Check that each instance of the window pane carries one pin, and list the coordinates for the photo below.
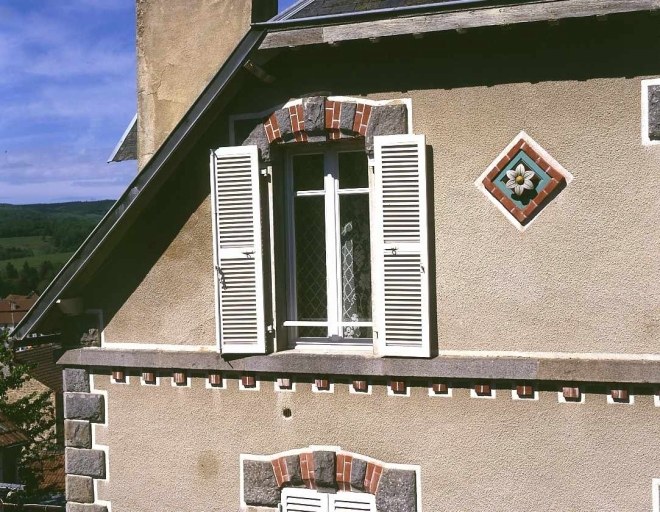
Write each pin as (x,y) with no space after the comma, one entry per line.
(353,170)
(312,332)
(355,262)
(311,289)
(308,172)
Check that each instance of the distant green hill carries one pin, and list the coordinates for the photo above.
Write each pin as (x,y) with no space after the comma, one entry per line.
(37,239)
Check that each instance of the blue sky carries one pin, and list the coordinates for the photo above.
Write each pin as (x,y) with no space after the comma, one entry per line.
(67,92)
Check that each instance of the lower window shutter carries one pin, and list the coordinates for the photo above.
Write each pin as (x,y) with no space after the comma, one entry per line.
(352,502)
(304,500)
(401,247)
(237,250)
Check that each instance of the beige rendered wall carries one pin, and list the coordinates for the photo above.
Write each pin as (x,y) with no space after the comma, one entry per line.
(181,44)
(581,278)
(182,445)
(174,302)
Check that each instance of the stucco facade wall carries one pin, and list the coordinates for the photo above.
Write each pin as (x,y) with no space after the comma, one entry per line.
(581,278)
(180,46)
(475,454)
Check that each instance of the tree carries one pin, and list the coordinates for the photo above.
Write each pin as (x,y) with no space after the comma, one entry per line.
(34,415)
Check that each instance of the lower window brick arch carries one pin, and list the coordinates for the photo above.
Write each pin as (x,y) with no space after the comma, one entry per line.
(328,479)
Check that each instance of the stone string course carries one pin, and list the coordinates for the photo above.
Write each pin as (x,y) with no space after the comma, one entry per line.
(318,119)
(82,464)
(328,471)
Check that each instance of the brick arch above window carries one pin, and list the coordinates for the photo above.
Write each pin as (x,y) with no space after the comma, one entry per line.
(327,119)
(329,469)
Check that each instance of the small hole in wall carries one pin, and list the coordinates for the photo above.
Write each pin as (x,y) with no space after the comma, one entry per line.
(286,412)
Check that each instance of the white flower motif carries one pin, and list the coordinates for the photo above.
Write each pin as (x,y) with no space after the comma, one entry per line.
(520,179)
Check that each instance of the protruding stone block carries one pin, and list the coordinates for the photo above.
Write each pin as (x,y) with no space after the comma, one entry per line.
(397,491)
(76,380)
(259,484)
(358,473)
(84,406)
(293,468)
(84,462)
(347,117)
(325,468)
(79,489)
(284,122)
(314,115)
(77,434)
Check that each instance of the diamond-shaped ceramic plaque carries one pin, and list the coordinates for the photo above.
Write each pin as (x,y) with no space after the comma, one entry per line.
(523,180)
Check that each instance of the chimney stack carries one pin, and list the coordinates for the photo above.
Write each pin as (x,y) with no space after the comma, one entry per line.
(181,45)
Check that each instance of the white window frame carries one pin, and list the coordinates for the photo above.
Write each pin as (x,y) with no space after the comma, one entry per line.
(334,323)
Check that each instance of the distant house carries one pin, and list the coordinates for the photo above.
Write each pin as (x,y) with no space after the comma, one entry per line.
(13,308)
(11,442)
(381,255)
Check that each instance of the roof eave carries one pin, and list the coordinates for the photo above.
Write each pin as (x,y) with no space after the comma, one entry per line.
(332,30)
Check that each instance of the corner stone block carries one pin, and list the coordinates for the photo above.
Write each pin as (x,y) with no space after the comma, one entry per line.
(259,138)
(654,112)
(76,380)
(388,120)
(259,484)
(80,507)
(84,406)
(79,489)
(397,491)
(85,462)
(325,468)
(77,434)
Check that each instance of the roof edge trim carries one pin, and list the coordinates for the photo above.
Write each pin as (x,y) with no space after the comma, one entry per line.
(134,193)
(121,142)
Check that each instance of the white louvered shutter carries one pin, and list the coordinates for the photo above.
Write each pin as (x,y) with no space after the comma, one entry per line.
(352,502)
(401,246)
(238,256)
(304,500)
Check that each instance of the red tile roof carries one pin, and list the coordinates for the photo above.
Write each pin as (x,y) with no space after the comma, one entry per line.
(14,307)
(10,435)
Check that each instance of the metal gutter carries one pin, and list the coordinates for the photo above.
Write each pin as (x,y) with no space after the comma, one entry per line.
(280,23)
(131,199)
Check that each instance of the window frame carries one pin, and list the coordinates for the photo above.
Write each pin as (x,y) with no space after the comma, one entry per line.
(286,225)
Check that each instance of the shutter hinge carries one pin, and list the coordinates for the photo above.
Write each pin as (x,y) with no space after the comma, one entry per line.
(270,329)
(267,171)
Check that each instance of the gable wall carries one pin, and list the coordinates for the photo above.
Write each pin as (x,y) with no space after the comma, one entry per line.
(580,279)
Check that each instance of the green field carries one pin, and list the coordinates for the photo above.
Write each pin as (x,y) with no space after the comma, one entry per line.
(37,240)
(58,259)
(39,244)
